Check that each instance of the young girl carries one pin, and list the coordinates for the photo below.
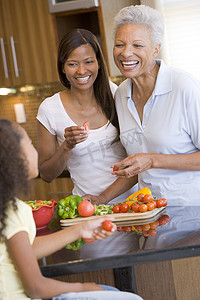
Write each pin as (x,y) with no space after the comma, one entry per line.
(19,248)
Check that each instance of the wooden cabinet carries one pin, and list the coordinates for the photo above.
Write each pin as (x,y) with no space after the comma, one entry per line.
(28,50)
(57,189)
(99,20)
(108,11)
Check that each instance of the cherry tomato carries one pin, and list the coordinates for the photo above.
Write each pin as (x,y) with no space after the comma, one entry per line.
(120,228)
(86,208)
(86,126)
(154,202)
(128,228)
(140,197)
(135,207)
(147,198)
(163,220)
(145,227)
(152,232)
(88,240)
(143,208)
(124,207)
(115,169)
(107,225)
(159,203)
(154,224)
(150,206)
(116,208)
(164,202)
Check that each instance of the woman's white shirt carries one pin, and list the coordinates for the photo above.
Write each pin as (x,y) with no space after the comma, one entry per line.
(170,126)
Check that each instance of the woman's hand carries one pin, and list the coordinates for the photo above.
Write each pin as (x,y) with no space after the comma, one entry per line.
(133,165)
(93,229)
(74,135)
(94,199)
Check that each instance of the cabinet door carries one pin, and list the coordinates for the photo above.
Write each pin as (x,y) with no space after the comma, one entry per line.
(5,62)
(32,41)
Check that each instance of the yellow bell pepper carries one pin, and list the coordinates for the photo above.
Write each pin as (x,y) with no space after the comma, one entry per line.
(132,198)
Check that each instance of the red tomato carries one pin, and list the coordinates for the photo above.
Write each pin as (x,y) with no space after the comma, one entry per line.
(147,198)
(86,208)
(124,207)
(143,208)
(140,197)
(116,208)
(145,227)
(152,232)
(154,202)
(163,220)
(164,201)
(107,225)
(154,224)
(120,228)
(135,207)
(86,126)
(128,228)
(115,169)
(159,203)
(150,206)
(88,240)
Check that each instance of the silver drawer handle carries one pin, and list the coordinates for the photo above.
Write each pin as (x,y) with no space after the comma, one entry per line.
(14,56)
(4,58)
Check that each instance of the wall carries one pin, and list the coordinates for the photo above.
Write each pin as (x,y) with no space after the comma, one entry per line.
(31,100)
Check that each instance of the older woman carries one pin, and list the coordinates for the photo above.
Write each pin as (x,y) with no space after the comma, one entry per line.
(158,109)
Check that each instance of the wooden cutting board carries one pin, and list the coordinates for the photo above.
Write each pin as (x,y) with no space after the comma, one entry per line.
(121,218)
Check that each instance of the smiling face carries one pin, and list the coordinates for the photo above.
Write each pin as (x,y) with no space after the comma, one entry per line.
(134,52)
(81,67)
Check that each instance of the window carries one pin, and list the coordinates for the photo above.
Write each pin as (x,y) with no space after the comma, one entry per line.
(181,47)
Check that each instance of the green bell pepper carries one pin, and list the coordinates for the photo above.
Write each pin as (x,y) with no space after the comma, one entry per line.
(68,207)
(76,245)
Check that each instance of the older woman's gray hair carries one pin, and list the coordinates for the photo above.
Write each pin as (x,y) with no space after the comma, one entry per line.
(143,15)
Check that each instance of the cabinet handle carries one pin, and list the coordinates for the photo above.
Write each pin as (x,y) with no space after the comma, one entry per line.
(4,58)
(12,42)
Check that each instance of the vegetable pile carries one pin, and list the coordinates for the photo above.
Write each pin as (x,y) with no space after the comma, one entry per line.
(35,204)
(141,201)
(74,206)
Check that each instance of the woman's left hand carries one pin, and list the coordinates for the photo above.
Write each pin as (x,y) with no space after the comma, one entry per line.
(97,200)
(133,165)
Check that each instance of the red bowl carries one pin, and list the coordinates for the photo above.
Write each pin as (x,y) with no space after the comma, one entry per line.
(43,214)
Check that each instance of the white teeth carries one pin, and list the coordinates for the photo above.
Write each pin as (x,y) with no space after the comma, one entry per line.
(129,64)
(83,79)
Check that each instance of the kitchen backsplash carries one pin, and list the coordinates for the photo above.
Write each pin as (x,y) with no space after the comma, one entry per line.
(31,97)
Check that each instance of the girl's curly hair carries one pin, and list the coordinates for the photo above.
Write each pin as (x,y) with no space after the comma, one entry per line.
(13,171)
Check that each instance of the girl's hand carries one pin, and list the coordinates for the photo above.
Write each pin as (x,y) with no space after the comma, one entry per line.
(93,229)
(74,135)
(133,165)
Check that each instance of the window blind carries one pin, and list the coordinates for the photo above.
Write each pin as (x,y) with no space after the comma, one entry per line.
(181,47)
